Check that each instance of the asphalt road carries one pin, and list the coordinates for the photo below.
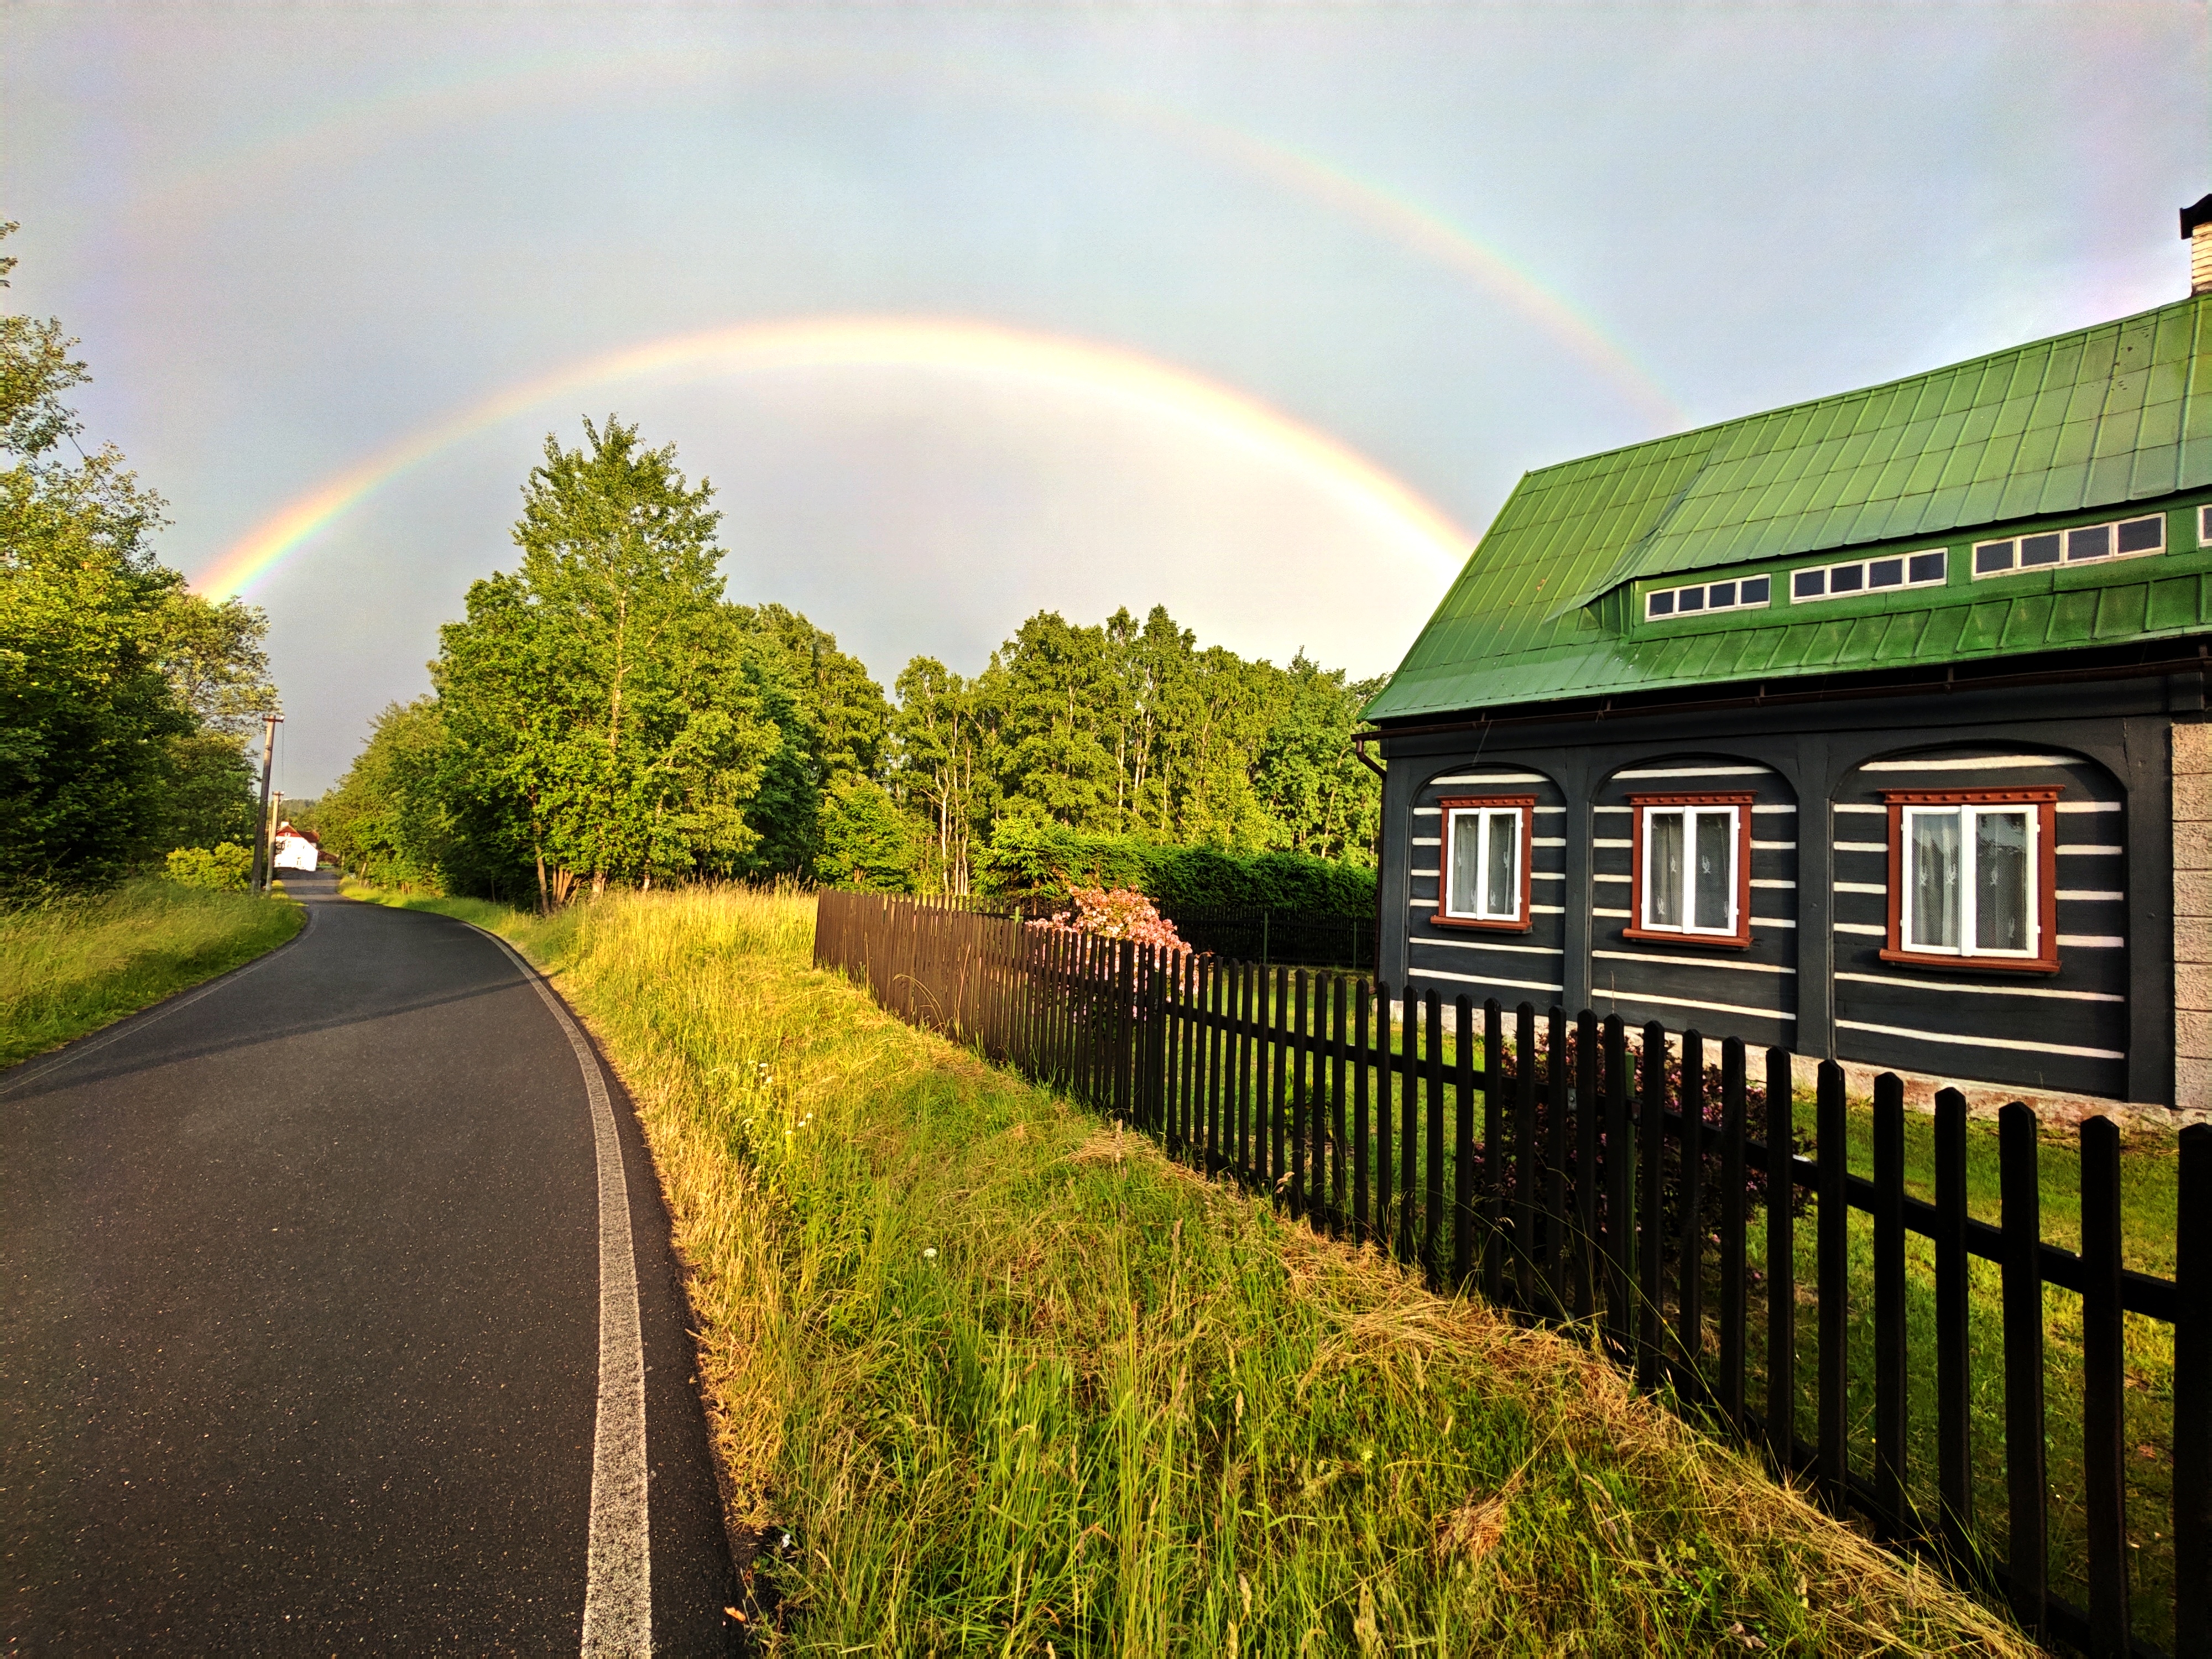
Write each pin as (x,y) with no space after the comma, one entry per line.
(307,1344)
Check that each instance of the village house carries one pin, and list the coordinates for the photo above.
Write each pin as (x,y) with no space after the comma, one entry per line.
(1873,727)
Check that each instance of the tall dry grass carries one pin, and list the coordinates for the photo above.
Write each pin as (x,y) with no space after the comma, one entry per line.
(1015,1383)
(69,966)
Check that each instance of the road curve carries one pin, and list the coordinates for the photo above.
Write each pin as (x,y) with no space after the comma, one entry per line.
(303,1313)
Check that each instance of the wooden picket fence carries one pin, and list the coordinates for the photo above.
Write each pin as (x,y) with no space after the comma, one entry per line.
(1541,1162)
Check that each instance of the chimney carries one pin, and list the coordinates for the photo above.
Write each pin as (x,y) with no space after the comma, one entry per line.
(2196,231)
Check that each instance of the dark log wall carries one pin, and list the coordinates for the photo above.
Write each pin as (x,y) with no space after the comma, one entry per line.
(1734,991)
(2065,1031)
(1812,978)
(1515,968)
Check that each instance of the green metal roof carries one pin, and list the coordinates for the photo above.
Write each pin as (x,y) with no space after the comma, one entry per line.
(2066,430)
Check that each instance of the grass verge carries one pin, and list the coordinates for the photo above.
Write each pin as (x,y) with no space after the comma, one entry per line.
(1014,1383)
(71,965)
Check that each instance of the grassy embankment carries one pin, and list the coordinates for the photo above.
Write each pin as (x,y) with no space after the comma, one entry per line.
(72,966)
(1015,1382)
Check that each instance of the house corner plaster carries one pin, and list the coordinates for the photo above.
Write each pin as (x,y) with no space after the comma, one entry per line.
(2192,917)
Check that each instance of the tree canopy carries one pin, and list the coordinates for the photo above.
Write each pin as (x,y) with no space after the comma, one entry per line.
(125,698)
(602,713)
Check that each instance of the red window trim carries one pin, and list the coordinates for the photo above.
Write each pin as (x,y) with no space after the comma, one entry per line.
(1741,799)
(1527,806)
(2044,799)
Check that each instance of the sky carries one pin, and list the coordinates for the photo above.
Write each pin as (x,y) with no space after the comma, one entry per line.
(1256,311)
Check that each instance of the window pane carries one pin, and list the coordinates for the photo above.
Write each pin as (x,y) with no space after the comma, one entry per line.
(1755,589)
(1885,573)
(2094,543)
(2039,549)
(1693,599)
(1992,557)
(1931,848)
(1662,604)
(1723,595)
(1809,584)
(2143,535)
(1715,831)
(1926,568)
(2001,895)
(1466,863)
(1503,866)
(1663,869)
(1847,579)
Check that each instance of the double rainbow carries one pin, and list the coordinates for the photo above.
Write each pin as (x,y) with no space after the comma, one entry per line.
(951,345)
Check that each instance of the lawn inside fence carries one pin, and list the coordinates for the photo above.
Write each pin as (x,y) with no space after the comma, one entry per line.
(1244,1073)
(1014,1381)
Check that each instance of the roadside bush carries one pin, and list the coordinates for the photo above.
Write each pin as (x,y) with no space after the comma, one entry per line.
(220,869)
(1028,858)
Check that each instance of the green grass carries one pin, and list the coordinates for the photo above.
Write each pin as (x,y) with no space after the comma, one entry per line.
(71,965)
(1017,1384)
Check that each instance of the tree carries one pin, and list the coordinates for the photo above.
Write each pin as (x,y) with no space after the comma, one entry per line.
(387,819)
(119,691)
(601,707)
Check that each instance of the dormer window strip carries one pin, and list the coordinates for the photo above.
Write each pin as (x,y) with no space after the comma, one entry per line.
(2121,539)
(1742,593)
(1931,569)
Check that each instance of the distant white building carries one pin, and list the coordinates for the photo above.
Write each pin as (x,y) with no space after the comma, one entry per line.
(296,849)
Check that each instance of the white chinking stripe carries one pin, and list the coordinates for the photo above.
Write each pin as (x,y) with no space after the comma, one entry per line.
(1690,1002)
(2083,896)
(1695,961)
(1485,979)
(1489,777)
(1698,772)
(2089,806)
(618,1558)
(2088,850)
(1898,983)
(1981,1042)
(1970,763)
(1491,944)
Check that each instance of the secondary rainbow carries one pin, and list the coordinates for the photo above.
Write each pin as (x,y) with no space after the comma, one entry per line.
(1400,517)
(1401,220)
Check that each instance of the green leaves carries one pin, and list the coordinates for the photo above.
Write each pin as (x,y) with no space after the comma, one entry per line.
(1131,730)
(122,695)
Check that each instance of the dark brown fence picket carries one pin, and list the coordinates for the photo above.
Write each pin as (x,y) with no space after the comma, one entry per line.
(1555,1166)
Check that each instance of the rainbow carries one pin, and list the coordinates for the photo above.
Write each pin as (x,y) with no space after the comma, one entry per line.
(947,345)
(1398,219)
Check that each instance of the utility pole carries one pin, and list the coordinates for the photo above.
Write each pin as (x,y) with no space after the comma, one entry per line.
(262,851)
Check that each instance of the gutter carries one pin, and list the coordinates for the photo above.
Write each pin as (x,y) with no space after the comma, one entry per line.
(1608,708)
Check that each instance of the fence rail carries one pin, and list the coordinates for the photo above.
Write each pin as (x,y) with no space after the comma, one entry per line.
(1573,1169)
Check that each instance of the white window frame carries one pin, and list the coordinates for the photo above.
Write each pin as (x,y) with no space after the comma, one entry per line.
(1487,820)
(1827,572)
(1673,595)
(1967,813)
(1691,812)
(2065,559)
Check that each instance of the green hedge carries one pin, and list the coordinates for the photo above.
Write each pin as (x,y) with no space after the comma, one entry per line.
(1028,857)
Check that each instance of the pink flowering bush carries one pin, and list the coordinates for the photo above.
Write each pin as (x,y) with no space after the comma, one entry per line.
(1114,913)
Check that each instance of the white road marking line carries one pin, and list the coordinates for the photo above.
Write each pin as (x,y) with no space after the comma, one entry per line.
(618,1564)
(145,1017)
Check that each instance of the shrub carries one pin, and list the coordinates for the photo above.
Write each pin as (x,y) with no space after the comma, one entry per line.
(223,868)
(1115,913)
(1028,858)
